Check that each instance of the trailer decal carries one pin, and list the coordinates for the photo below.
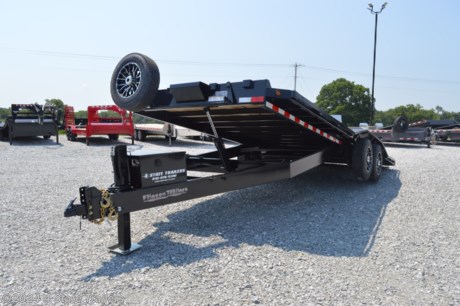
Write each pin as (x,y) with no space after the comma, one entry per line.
(164,176)
(153,197)
(301,122)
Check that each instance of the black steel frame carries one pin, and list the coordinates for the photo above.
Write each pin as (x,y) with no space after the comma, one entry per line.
(245,173)
(273,147)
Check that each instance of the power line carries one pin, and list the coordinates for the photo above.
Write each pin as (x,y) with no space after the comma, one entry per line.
(203,63)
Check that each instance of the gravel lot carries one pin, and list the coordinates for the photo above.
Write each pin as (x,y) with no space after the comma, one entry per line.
(320,238)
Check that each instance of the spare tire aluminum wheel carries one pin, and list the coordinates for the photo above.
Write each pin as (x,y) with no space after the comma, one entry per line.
(135,82)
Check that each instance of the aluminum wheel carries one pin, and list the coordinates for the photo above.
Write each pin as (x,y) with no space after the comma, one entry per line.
(134,83)
(377,166)
(128,80)
(379,161)
(369,159)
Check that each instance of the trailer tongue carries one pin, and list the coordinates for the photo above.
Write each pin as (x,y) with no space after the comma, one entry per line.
(280,134)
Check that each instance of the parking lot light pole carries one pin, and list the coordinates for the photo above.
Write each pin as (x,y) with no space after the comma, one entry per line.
(376,13)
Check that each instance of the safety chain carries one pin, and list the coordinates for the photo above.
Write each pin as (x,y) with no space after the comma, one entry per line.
(106,204)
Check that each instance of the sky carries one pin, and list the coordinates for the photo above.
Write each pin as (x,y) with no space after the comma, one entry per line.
(68,49)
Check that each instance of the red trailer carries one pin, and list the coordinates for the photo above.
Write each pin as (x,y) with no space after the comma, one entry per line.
(98,124)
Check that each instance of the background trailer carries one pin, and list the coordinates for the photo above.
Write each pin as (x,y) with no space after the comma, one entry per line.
(29,120)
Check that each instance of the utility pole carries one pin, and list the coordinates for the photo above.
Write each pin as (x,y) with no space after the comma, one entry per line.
(296,65)
(376,13)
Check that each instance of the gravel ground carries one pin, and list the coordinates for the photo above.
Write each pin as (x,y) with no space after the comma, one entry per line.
(320,238)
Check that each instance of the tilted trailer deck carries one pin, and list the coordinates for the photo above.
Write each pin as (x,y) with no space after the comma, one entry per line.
(280,134)
(444,130)
(28,120)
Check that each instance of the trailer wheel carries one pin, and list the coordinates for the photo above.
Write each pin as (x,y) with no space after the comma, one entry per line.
(172,138)
(46,136)
(377,162)
(113,136)
(431,137)
(142,135)
(400,124)
(135,82)
(362,159)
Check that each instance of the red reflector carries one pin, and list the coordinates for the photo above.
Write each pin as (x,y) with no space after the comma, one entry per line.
(257,99)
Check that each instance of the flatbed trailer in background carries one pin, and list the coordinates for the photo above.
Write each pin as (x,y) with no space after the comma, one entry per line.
(449,133)
(166,130)
(403,132)
(29,120)
(122,124)
(280,134)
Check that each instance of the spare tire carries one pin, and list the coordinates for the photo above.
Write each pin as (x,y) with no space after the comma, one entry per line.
(400,124)
(135,82)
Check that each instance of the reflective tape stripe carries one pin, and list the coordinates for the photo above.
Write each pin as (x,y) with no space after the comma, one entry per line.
(301,122)
(259,99)
(409,139)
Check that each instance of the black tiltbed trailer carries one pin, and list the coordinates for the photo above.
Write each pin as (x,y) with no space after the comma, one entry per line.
(280,134)
(28,120)
(401,131)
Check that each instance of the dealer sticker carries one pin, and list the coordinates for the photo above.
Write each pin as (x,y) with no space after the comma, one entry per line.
(164,176)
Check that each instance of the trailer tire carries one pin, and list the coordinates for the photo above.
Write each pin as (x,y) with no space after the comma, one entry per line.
(377,162)
(142,135)
(431,137)
(46,136)
(362,159)
(113,136)
(400,124)
(172,138)
(135,82)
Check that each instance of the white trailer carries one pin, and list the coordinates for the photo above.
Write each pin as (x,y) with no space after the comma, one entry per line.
(167,130)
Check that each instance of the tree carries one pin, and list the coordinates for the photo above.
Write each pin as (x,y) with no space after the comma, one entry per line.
(81,114)
(58,104)
(343,97)
(4,113)
(412,112)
